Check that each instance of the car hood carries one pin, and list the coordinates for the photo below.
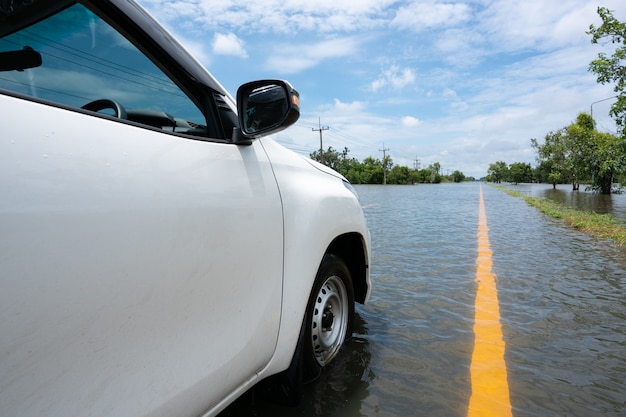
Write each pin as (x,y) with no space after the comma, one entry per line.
(282,155)
(324,168)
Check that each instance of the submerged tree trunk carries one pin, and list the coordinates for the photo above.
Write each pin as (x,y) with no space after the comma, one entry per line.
(605,184)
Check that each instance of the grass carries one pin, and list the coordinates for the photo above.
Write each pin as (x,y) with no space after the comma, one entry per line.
(599,225)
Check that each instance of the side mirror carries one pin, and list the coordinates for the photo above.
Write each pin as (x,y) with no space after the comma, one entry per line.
(266,107)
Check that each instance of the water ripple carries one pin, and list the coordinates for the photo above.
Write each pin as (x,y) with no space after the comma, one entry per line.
(562,306)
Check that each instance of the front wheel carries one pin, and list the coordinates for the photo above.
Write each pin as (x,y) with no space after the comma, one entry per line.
(330,311)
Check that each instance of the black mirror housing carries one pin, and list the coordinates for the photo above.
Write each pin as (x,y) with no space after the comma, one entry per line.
(265,107)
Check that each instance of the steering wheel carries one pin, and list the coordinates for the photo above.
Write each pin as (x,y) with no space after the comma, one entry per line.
(105,103)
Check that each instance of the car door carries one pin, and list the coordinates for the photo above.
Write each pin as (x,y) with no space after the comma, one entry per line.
(140,269)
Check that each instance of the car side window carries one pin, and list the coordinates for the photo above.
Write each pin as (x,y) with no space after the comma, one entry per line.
(76,59)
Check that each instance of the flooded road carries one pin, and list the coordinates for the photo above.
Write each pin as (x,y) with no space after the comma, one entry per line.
(562,311)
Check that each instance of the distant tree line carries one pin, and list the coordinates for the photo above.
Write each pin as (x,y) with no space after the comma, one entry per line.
(375,171)
(518,172)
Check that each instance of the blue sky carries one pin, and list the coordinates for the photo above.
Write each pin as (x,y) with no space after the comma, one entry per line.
(464,84)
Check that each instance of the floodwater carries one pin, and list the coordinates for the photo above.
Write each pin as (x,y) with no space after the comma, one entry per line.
(614,204)
(562,307)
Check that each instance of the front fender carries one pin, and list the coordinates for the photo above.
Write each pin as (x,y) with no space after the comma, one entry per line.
(317,210)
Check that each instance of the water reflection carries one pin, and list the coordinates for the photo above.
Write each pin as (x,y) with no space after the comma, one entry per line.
(563,312)
(340,390)
(344,385)
(562,305)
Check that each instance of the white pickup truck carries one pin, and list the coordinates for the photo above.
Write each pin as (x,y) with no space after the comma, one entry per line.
(160,254)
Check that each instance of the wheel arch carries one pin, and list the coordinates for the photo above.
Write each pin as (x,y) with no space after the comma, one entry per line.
(351,248)
(286,387)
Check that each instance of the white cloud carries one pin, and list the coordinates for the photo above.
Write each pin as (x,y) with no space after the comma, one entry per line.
(410,121)
(448,92)
(351,108)
(419,16)
(539,24)
(276,16)
(394,77)
(484,76)
(229,44)
(289,59)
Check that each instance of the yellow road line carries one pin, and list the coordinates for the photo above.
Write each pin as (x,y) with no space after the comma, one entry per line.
(490,388)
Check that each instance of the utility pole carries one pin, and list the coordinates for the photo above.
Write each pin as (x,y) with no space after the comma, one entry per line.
(320,129)
(417,164)
(384,151)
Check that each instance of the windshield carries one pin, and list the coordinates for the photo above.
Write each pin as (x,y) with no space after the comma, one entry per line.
(83,59)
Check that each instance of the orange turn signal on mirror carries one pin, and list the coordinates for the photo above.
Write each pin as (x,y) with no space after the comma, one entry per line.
(295,100)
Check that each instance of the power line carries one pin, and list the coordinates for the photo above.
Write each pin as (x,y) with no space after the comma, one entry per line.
(334,133)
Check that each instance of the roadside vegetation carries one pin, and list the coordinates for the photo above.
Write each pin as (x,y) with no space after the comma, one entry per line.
(598,225)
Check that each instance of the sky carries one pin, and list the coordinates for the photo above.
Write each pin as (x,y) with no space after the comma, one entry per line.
(462,83)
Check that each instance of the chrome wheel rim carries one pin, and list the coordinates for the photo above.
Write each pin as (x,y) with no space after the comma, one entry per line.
(330,319)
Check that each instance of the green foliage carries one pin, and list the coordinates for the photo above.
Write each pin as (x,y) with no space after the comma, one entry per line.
(551,156)
(611,69)
(608,160)
(424,176)
(400,175)
(457,176)
(578,153)
(498,172)
(332,158)
(372,170)
(516,172)
(565,153)
(520,172)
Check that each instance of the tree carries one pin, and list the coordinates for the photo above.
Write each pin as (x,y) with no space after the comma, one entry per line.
(580,153)
(551,156)
(578,139)
(520,172)
(458,176)
(541,172)
(372,172)
(498,172)
(423,176)
(331,157)
(399,174)
(608,160)
(434,177)
(565,153)
(611,69)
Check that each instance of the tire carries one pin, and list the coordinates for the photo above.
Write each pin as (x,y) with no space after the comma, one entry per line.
(329,315)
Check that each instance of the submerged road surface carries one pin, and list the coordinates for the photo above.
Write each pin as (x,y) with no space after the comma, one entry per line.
(502,311)
(490,388)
